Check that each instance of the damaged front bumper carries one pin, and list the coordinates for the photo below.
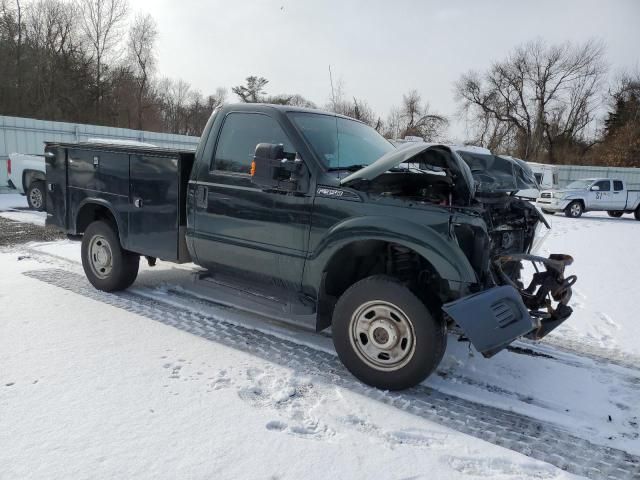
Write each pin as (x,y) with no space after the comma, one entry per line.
(494,318)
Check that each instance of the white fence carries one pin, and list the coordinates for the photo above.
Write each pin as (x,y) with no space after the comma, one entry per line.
(27,135)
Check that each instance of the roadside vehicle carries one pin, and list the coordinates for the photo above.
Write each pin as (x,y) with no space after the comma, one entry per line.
(546,175)
(589,195)
(26,174)
(314,218)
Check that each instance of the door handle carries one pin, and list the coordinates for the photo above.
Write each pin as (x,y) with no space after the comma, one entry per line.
(137,202)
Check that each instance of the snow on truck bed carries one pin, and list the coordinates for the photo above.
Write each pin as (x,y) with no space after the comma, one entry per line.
(150,384)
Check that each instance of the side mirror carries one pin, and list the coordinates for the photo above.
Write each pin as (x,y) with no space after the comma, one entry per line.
(274,169)
(595,188)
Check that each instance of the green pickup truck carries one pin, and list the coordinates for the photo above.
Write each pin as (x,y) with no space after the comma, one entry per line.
(315,218)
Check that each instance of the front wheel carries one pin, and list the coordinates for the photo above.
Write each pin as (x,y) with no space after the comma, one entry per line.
(636,214)
(615,213)
(548,212)
(106,264)
(385,335)
(36,196)
(574,209)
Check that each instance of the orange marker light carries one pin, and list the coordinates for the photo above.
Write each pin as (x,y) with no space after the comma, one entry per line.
(253,168)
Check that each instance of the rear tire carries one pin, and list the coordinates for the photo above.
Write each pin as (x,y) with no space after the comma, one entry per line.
(574,209)
(385,335)
(615,213)
(106,264)
(36,197)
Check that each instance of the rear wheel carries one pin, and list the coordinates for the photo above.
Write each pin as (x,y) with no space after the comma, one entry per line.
(385,335)
(574,209)
(36,196)
(615,213)
(106,264)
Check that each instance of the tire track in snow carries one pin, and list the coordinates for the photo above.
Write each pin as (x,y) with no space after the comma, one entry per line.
(534,438)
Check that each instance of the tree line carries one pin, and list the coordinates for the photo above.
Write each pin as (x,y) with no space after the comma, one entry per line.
(88,61)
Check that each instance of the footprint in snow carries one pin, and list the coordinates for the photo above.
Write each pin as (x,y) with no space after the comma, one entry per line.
(417,438)
(608,320)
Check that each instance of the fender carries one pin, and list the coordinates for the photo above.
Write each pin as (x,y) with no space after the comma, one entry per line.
(441,251)
(103,203)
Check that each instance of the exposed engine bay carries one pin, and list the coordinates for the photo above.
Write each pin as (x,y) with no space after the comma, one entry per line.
(499,248)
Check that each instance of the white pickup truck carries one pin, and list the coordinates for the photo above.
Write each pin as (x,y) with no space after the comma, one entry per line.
(26,174)
(591,194)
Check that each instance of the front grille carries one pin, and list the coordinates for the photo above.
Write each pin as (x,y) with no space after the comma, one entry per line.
(545,195)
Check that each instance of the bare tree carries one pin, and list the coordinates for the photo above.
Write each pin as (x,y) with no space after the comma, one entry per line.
(141,47)
(102,22)
(537,96)
(253,91)
(413,118)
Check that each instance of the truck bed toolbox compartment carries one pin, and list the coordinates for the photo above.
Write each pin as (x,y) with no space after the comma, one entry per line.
(144,188)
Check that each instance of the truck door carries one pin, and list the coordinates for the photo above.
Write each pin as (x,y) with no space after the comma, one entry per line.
(240,228)
(619,195)
(602,198)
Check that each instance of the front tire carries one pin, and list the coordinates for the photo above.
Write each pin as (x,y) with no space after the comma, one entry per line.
(36,196)
(574,209)
(106,264)
(615,213)
(636,214)
(548,212)
(385,335)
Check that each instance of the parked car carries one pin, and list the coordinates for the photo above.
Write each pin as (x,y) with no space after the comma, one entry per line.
(315,218)
(592,194)
(26,174)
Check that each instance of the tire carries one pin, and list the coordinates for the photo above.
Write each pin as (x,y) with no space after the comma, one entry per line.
(574,209)
(615,213)
(548,212)
(636,214)
(420,339)
(36,196)
(106,264)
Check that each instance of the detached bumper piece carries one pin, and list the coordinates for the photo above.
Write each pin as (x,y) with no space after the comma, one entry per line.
(494,318)
(547,286)
(491,319)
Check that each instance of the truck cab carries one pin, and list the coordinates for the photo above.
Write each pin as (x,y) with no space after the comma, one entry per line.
(592,194)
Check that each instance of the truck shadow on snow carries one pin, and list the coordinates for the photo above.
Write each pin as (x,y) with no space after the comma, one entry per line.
(535,438)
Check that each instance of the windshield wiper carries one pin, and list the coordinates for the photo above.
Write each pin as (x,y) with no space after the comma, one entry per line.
(348,168)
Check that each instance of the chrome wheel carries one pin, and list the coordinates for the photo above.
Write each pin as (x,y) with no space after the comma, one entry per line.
(35,198)
(100,257)
(382,335)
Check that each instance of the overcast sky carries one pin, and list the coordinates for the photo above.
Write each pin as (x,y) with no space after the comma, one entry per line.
(380,49)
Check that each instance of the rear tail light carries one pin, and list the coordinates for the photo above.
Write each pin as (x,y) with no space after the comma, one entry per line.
(9,166)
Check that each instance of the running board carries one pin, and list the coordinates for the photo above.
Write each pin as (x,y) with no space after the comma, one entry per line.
(271,302)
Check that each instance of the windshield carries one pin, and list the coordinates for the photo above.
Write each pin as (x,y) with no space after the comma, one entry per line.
(579,184)
(493,173)
(339,142)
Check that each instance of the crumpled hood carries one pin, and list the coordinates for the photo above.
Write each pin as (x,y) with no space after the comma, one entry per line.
(499,173)
(404,154)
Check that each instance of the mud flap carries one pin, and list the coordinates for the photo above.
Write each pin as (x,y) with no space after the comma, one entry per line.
(492,319)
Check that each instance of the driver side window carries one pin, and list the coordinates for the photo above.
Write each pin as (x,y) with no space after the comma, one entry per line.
(240,134)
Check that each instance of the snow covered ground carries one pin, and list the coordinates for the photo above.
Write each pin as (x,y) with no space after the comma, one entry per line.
(15,207)
(155,384)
